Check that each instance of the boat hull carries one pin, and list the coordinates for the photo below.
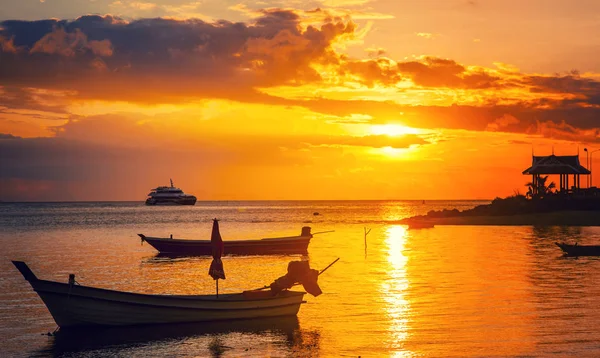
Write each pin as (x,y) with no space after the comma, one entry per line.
(579,250)
(279,246)
(188,200)
(72,305)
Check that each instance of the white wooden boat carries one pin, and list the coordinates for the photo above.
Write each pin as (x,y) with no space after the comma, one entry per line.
(73,305)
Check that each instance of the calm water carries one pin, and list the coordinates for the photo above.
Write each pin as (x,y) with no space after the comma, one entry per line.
(441,292)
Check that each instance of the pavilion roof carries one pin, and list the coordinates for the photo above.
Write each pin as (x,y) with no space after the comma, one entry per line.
(556,164)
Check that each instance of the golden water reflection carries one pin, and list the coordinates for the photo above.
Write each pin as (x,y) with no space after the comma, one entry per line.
(393,289)
(463,294)
(449,291)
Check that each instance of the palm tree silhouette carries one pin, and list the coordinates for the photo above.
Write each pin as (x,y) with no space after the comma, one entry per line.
(540,190)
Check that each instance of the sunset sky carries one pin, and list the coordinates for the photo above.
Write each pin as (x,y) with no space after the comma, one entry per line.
(312,99)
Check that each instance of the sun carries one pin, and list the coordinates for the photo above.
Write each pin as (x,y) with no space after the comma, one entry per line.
(393,130)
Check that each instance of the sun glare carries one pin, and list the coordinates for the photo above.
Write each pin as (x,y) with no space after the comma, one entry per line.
(392,151)
(393,129)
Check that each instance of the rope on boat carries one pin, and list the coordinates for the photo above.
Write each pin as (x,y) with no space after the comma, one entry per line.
(323,232)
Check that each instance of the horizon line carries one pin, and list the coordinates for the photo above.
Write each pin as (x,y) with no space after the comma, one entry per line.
(222,200)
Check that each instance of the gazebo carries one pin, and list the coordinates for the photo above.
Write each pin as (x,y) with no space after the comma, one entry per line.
(563,165)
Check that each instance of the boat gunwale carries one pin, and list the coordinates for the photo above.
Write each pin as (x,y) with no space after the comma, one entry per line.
(197,298)
(175,306)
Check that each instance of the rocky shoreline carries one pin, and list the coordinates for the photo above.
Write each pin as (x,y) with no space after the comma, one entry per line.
(558,218)
(518,210)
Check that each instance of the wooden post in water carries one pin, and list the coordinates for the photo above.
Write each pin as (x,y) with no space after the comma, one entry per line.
(366,233)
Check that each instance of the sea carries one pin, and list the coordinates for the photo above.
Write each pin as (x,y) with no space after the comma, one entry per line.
(447,291)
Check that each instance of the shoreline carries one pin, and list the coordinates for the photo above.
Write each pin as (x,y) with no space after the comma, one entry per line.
(556,218)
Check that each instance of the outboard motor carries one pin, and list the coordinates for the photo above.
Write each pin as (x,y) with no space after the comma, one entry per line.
(298,272)
(306,231)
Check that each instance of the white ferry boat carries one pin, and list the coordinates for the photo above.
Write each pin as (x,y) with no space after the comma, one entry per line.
(169,195)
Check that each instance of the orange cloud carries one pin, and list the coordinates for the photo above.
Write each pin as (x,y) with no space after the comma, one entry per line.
(186,58)
(381,70)
(62,43)
(437,72)
(502,122)
(155,61)
(7,46)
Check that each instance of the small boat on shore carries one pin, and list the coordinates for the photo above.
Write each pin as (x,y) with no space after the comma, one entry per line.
(579,250)
(73,305)
(289,245)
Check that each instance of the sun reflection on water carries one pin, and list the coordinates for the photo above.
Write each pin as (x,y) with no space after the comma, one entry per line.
(394,287)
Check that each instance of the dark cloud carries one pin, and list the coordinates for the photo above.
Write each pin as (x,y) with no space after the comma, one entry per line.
(523,117)
(48,63)
(373,71)
(519,118)
(8,136)
(22,98)
(437,72)
(581,92)
(571,83)
(159,60)
(564,131)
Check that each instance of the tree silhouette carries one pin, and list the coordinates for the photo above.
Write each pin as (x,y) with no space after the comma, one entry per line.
(541,189)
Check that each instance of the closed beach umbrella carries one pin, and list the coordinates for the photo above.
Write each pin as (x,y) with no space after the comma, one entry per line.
(216,270)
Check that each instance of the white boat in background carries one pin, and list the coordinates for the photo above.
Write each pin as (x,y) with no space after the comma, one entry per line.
(73,305)
(169,195)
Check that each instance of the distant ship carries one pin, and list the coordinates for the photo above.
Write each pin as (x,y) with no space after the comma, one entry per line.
(169,195)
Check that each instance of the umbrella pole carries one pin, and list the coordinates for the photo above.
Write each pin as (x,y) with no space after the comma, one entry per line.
(217,281)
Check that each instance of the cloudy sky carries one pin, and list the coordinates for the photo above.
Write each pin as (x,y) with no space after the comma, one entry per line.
(274,99)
